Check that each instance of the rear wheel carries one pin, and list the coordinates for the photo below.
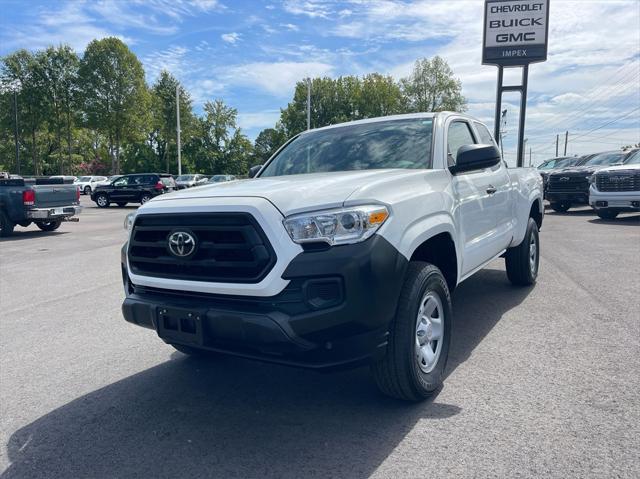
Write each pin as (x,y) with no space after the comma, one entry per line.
(87,190)
(522,261)
(607,214)
(122,204)
(102,200)
(49,225)
(560,207)
(419,336)
(144,198)
(6,225)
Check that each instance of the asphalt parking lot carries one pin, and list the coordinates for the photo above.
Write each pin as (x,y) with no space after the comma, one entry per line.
(542,382)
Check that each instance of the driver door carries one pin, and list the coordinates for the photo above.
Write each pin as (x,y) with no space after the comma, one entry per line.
(472,190)
(120,189)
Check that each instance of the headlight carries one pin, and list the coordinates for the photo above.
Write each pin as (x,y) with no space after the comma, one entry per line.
(339,226)
(128,222)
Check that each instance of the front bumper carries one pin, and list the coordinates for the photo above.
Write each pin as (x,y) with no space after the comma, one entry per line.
(60,212)
(624,200)
(580,197)
(334,312)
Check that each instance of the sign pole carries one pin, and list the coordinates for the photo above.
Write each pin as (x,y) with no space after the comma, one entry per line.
(515,35)
(498,122)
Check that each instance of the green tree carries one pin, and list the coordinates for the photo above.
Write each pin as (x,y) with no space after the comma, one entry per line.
(218,146)
(163,137)
(21,66)
(114,93)
(267,142)
(431,86)
(58,69)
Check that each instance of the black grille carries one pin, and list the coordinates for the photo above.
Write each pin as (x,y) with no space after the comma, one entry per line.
(231,248)
(620,181)
(561,182)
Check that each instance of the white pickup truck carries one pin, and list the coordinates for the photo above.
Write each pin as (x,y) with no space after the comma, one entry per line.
(342,250)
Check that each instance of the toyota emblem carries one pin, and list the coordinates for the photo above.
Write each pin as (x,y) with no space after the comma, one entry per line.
(181,244)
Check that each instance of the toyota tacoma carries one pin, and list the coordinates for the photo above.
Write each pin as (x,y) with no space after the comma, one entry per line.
(342,250)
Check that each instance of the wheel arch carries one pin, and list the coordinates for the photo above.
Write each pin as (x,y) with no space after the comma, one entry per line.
(440,250)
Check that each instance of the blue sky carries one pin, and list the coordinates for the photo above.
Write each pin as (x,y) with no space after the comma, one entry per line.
(251,53)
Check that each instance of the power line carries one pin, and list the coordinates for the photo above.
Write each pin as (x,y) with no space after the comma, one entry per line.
(609,123)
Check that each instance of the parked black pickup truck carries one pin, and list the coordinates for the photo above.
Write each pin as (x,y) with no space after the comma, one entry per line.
(45,202)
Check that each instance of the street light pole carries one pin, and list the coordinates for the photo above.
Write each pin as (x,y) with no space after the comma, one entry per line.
(308,103)
(178,129)
(15,131)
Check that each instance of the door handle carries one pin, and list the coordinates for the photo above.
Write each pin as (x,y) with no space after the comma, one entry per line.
(491,189)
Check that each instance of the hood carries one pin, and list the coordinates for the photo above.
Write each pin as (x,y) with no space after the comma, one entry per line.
(297,193)
(625,168)
(580,170)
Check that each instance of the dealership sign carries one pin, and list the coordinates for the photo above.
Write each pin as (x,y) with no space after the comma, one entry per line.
(515,32)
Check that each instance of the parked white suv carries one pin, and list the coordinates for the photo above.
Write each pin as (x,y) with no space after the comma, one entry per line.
(342,250)
(86,184)
(616,189)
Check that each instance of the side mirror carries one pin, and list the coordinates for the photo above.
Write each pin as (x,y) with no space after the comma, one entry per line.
(253,171)
(475,157)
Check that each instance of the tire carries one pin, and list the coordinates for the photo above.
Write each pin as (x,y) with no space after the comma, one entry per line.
(607,214)
(405,372)
(122,204)
(560,207)
(144,198)
(6,225)
(523,261)
(193,352)
(102,200)
(87,190)
(49,225)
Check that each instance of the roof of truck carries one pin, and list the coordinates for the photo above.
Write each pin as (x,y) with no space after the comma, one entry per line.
(406,116)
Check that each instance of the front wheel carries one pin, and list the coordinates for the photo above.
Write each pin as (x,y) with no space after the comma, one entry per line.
(522,261)
(49,225)
(419,336)
(607,214)
(560,207)
(102,201)
(6,225)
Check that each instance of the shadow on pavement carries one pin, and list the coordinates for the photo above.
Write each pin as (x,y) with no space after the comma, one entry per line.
(230,417)
(622,220)
(20,235)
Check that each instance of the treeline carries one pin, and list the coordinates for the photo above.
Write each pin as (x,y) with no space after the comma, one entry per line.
(96,114)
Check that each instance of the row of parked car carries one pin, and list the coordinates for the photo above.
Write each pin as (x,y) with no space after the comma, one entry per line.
(609,182)
(139,187)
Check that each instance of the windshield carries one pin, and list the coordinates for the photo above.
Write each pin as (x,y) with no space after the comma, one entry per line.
(185,178)
(633,159)
(606,159)
(367,146)
(217,178)
(564,162)
(84,178)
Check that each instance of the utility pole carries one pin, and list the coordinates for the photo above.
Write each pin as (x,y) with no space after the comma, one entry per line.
(15,131)
(566,140)
(178,128)
(503,124)
(530,156)
(308,103)
(557,141)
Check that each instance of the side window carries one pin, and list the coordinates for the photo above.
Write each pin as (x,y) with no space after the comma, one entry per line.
(483,133)
(458,135)
(124,181)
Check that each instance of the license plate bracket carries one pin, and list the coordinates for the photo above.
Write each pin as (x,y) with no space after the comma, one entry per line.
(180,325)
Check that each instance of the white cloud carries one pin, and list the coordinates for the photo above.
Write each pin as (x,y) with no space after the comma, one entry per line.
(171,59)
(277,78)
(290,26)
(258,120)
(231,38)
(309,8)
